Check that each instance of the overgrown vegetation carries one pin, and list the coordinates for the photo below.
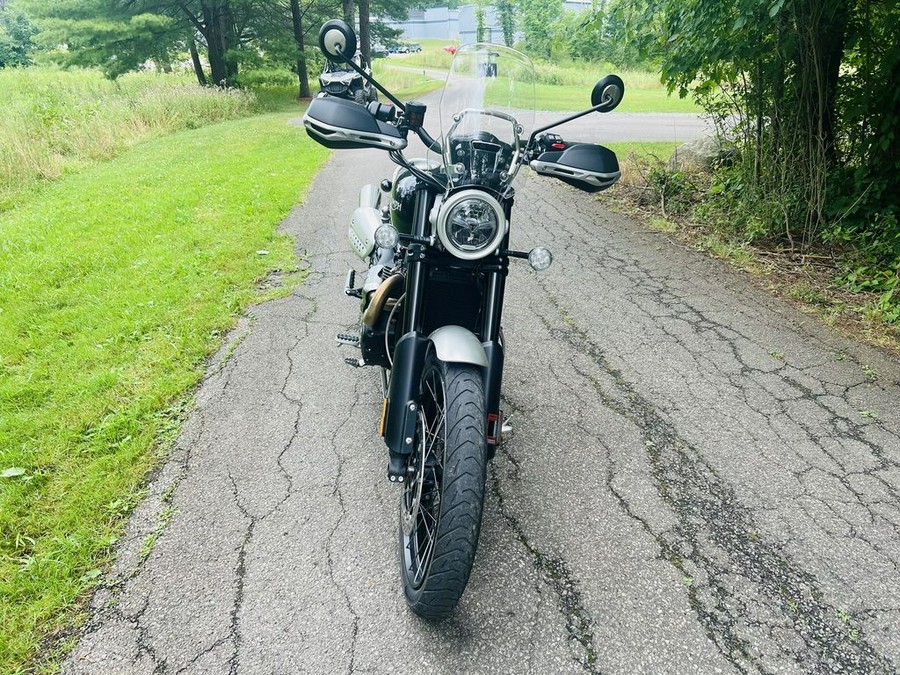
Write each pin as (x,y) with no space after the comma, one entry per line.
(115,286)
(55,122)
(807,90)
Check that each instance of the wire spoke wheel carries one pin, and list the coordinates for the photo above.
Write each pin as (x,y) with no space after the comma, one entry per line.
(441,505)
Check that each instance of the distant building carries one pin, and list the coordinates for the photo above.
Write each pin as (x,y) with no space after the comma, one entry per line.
(459,24)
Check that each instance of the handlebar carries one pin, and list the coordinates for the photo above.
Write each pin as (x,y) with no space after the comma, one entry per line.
(429,142)
(415,116)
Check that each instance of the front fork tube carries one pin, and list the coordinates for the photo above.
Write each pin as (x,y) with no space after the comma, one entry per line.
(493,349)
(401,413)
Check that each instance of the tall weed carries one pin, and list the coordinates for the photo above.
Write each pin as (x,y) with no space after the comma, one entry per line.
(55,122)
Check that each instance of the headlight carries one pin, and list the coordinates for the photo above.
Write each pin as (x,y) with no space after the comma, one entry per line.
(471,224)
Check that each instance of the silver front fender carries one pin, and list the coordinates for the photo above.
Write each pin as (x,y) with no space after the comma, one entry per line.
(455,344)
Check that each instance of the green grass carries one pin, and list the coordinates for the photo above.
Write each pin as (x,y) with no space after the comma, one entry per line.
(432,56)
(566,85)
(643,150)
(58,122)
(578,97)
(116,284)
(404,84)
(641,100)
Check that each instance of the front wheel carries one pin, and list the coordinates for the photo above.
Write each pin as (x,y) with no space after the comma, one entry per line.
(441,506)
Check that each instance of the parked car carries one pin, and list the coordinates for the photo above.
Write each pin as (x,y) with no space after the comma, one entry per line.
(379,52)
(410,47)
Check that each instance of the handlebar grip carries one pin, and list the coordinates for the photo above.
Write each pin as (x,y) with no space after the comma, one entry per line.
(382,112)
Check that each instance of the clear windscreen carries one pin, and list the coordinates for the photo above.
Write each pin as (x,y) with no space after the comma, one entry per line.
(486,112)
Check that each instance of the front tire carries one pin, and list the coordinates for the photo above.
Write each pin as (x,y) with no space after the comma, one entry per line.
(442,502)
(359,96)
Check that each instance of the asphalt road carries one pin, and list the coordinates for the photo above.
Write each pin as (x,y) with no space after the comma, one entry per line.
(701,479)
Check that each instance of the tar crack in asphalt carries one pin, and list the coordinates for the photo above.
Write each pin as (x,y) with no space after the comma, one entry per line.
(716,541)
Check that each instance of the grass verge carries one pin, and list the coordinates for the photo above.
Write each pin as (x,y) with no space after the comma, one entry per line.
(116,284)
(637,99)
(808,280)
(58,122)
(404,84)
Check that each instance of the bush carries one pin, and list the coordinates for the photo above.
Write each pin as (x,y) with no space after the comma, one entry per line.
(267,77)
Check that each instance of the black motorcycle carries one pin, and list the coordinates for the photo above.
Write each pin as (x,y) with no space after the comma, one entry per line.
(432,298)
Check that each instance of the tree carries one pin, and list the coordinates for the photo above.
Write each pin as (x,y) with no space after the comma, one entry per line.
(118,35)
(812,87)
(365,32)
(479,21)
(538,20)
(602,34)
(506,15)
(16,31)
(297,25)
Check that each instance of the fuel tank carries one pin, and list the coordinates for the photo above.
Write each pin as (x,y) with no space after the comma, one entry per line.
(403,200)
(403,194)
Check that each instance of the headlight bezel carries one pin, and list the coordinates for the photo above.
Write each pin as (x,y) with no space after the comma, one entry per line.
(443,222)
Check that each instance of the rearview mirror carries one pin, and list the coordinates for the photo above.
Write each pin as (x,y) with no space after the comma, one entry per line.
(337,40)
(608,93)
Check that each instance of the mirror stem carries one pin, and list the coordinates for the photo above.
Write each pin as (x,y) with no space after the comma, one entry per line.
(369,78)
(563,121)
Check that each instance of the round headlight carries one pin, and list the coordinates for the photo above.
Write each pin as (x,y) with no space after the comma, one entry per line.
(471,224)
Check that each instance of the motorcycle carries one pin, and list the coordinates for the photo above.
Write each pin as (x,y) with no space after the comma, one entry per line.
(432,299)
(338,79)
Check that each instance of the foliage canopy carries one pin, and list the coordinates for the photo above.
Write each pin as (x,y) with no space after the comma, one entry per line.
(808,91)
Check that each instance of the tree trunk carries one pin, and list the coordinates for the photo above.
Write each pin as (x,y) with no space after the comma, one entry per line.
(759,84)
(198,67)
(834,35)
(227,28)
(218,23)
(349,12)
(214,49)
(302,73)
(365,38)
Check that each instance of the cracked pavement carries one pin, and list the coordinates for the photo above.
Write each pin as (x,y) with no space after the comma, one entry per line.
(700,479)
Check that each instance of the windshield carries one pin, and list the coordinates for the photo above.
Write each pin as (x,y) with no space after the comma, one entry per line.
(486,112)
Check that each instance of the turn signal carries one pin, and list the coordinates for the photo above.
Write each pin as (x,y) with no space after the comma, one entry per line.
(386,236)
(539,258)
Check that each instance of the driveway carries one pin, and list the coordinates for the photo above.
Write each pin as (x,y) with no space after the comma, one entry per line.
(701,479)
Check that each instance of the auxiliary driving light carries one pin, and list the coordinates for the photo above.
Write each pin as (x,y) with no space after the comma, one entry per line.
(539,258)
(387,236)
